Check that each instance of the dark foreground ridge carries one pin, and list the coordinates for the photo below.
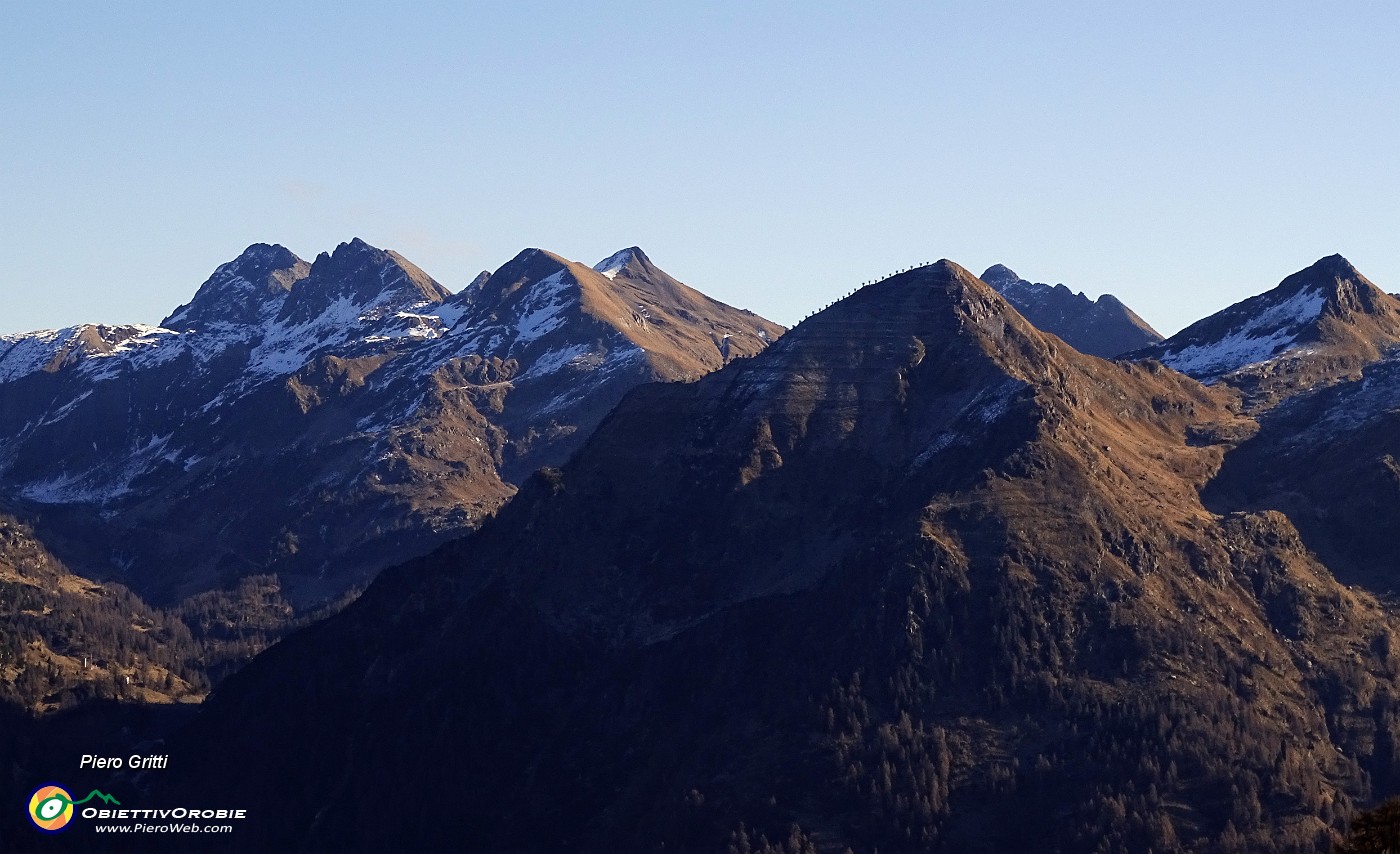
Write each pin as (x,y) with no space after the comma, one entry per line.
(913,571)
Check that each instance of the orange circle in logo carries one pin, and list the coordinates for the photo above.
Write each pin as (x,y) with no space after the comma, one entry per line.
(51,808)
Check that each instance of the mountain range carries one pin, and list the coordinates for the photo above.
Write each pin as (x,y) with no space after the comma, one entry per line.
(319,421)
(918,565)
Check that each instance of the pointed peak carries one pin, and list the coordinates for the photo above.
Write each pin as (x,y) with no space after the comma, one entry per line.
(1326,273)
(620,260)
(240,289)
(936,294)
(354,248)
(1332,282)
(529,267)
(938,318)
(1328,306)
(530,262)
(955,273)
(1337,265)
(366,276)
(356,255)
(999,275)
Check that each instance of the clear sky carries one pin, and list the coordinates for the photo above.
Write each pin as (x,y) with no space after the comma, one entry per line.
(1182,155)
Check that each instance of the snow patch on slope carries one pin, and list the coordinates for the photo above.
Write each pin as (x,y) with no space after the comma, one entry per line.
(544,310)
(610,265)
(970,421)
(24,354)
(99,486)
(1260,338)
(556,360)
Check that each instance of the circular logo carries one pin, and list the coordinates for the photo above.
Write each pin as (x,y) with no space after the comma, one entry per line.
(50,808)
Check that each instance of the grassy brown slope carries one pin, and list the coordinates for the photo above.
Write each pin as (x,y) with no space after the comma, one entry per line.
(677,326)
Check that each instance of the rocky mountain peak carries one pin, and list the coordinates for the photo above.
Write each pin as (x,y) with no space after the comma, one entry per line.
(1001,550)
(1319,324)
(1344,289)
(923,359)
(1335,265)
(999,275)
(242,290)
(632,257)
(1104,327)
(539,302)
(358,277)
(352,373)
(528,268)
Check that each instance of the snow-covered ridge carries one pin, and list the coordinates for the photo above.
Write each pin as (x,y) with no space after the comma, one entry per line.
(277,344)
(1256,338)
(26,353)
(418,339)
(95,348)
(162,402)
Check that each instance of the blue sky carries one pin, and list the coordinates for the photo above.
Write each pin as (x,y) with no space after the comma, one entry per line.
(1180,155)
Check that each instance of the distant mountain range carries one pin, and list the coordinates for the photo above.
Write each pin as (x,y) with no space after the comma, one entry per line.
(322,420)
(1103,327)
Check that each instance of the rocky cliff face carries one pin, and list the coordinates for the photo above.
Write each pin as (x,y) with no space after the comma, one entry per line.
(913,569)
(1327,458)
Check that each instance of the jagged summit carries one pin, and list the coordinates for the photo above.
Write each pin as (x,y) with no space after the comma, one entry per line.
(241,290)
(1103,327)
(914,371)
(1318,325)
(1346,292)
(269,284)
(264,256)
(358,277)
(675,326)
(1333,278)
(528,268)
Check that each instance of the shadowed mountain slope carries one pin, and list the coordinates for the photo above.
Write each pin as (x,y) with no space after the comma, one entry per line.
(911,570)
